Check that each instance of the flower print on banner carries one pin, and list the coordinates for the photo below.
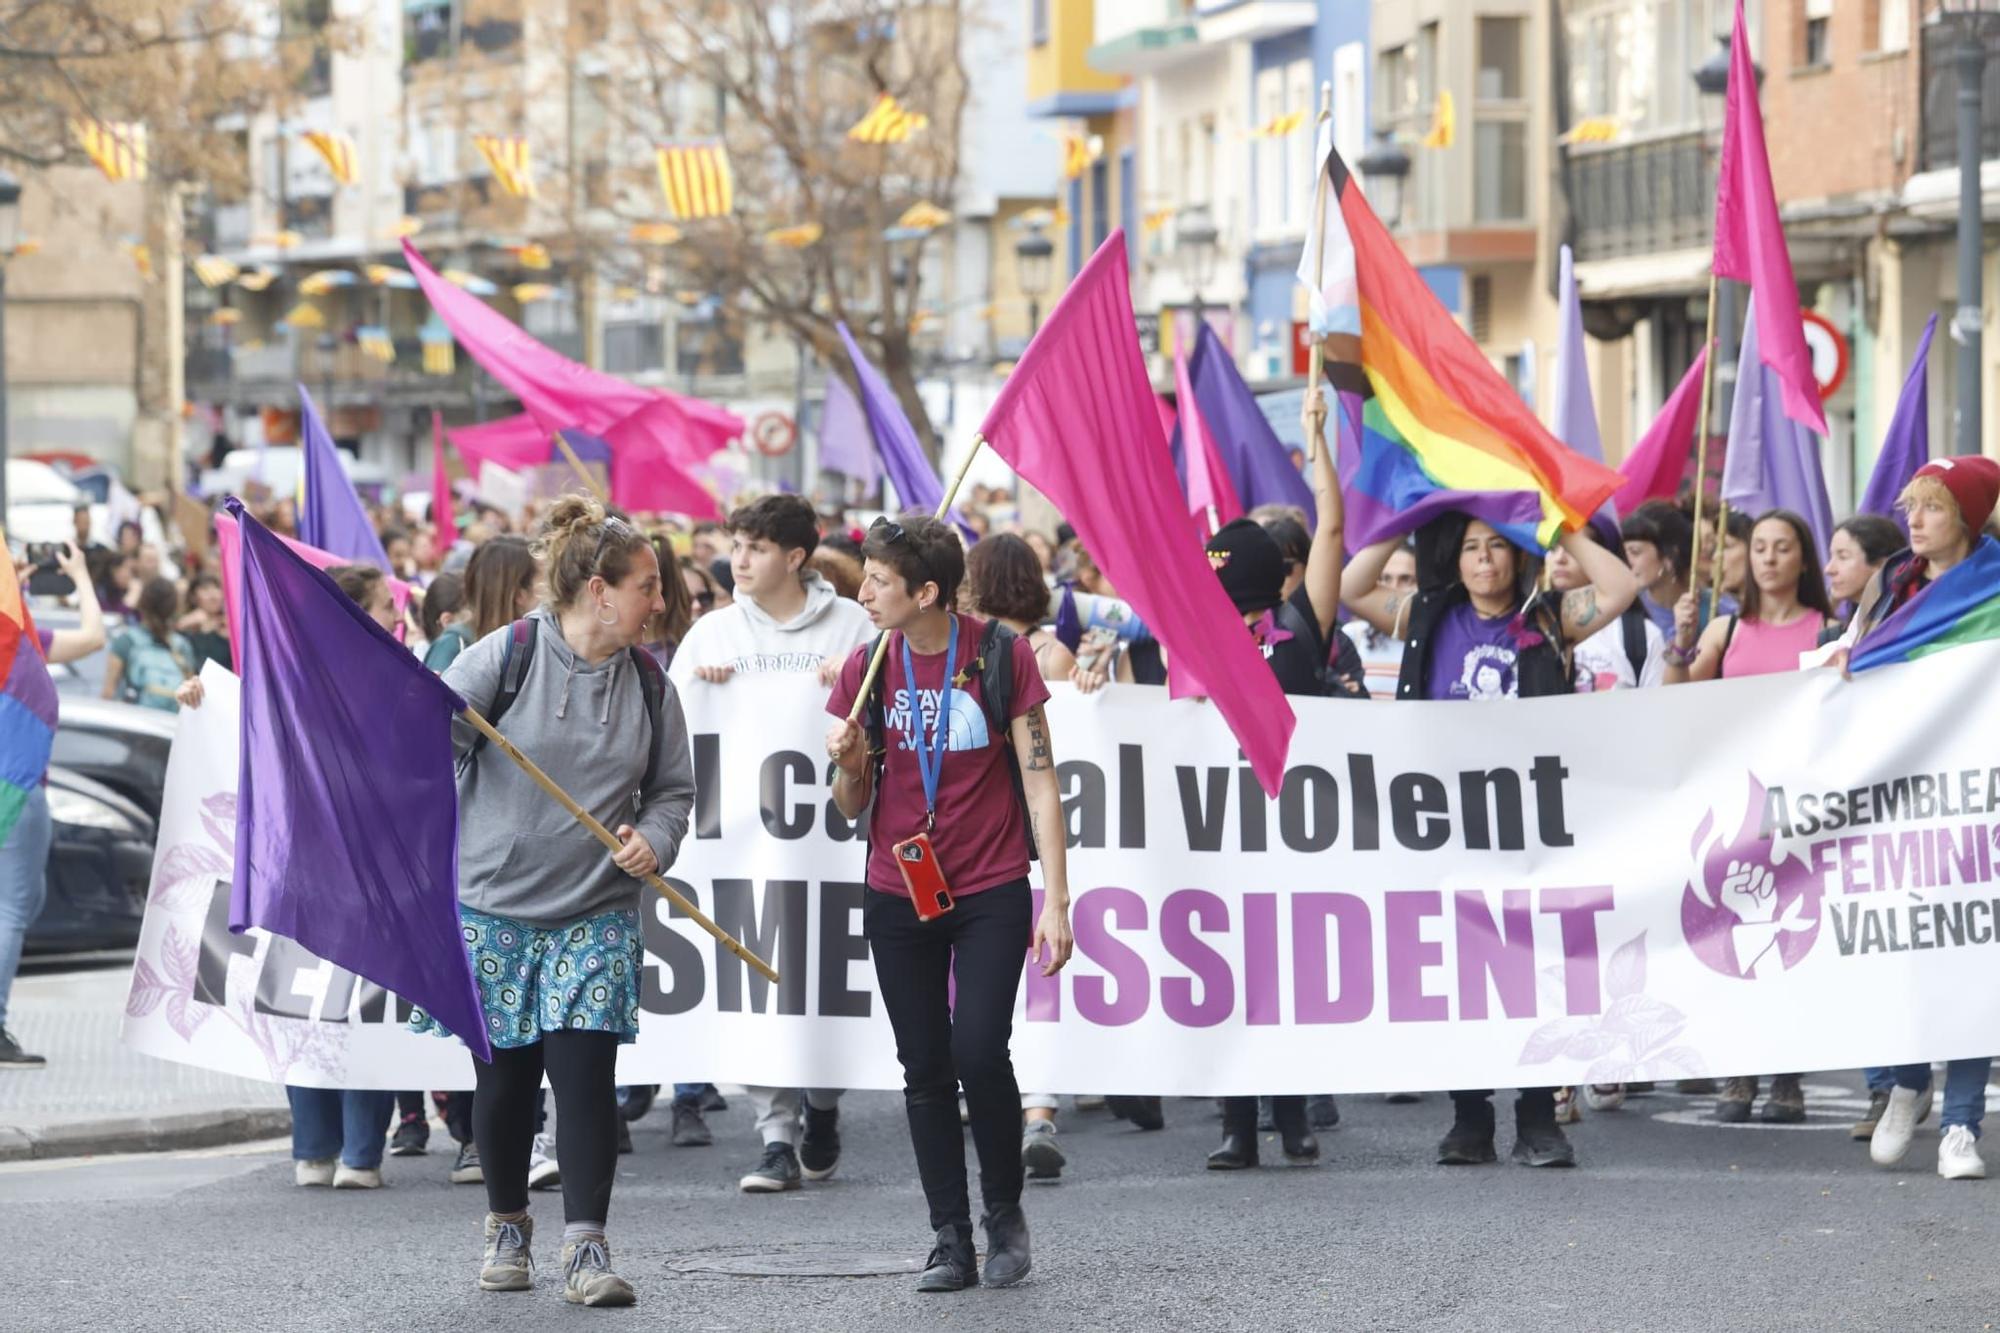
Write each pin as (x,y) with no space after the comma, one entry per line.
(1633,1040)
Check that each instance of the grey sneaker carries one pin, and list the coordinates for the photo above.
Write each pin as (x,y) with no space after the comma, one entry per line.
(588,1279)
(466,1170)
(508,1266)
(690,1130)
(1040,1153)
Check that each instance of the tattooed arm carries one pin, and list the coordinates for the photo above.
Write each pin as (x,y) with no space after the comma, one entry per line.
(1611,589)
(1036,755)
(1361,593)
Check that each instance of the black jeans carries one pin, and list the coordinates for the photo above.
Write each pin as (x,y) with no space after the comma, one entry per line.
(1531,1103)
(1239,1114)
(982,945)
(581,1068)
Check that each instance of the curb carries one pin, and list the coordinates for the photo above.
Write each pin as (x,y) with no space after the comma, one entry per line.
(142,1133)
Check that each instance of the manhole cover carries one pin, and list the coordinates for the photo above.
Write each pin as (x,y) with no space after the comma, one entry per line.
(830,1261)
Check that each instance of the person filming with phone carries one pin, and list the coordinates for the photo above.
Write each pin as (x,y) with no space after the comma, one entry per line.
(954,736)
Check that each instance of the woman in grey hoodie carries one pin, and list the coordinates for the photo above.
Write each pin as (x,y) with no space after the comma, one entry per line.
(551,923)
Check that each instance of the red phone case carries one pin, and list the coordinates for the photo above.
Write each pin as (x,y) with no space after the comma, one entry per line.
(929,893)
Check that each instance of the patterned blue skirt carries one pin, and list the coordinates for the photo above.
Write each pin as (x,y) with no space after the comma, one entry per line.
(582,977)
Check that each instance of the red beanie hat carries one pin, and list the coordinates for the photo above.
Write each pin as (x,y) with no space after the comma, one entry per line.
(1974,482)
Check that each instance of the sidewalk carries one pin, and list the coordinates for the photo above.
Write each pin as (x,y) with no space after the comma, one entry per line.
(98,1097)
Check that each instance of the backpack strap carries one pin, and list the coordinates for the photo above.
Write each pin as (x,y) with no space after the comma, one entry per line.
(1634,624)
(995,664)
(1727,636)
(517,654)
(653,685)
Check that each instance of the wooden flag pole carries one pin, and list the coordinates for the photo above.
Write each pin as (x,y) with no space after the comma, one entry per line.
(1721,545)
(581,470)
(882,641)
(1701,454)
(1314,408)
(604,835)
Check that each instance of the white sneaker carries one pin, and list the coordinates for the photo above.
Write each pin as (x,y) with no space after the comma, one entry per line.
(357,1178)
(1604,1096)
(543,1173)
(1958,1155)
(1899,1123)
(313,1173)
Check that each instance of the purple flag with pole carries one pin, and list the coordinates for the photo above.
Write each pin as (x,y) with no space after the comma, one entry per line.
(331,515)
(1260,467)
(1907,446)
(347,806)
(903,459)
(1576,411)
(845,445)
(1772,462)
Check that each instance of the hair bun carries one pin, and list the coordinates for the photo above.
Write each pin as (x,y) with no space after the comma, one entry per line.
(571,512)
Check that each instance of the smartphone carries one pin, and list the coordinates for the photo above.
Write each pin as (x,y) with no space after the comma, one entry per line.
(929,894)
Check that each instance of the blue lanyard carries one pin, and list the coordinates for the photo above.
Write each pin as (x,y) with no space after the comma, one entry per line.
(930,757)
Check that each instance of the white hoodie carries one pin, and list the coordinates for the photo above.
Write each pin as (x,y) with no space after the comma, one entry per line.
(743,635)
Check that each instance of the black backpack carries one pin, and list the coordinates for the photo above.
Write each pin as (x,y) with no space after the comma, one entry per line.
(519,654)
(994,665)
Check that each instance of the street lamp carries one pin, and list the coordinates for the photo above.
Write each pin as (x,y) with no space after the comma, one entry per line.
(1384,168)
(1969,24)
(1711,76)
(10,239)
(1195,243)
(1033,255)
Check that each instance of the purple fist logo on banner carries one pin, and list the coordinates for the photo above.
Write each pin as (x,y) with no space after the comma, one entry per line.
(1748,912)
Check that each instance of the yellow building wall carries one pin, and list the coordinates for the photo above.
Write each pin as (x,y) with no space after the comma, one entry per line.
(1061,64)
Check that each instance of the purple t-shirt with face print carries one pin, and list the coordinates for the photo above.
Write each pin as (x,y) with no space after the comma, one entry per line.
(1472,657)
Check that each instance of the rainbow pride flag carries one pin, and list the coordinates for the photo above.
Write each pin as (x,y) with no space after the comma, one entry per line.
(27,701)
(1426,423)
(1961,606)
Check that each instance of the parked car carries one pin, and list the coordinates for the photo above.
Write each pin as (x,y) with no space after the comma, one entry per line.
(40,503)
(122,746)
(100,863)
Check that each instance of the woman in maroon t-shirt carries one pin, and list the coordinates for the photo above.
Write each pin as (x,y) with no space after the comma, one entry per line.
(944,773)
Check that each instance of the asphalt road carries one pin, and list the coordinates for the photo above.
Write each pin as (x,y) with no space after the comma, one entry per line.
(1670,1224)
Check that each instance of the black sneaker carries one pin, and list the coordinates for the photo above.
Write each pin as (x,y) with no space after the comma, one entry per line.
(779,1171)
(1007,1260)
(711,1100)
(1322,1111)
(1146,1113)
(13,1057)
(690,1130)
(1539,1141)
(466,1170)
(819,1147)
(1469,1142)
(412,1137)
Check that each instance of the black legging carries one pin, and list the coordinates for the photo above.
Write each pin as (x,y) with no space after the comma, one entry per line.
(581,1068)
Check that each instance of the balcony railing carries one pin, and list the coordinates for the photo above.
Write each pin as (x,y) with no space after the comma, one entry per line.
(1940,109)
(1643,198)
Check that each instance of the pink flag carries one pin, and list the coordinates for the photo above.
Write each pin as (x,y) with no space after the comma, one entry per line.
(1750,244)
(229,553)
(1077,419)
(514,443)
(1653,468)
(443,513)
(657,439)
(1211,494)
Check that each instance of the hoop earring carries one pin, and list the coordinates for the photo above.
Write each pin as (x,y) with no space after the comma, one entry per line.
(601,609)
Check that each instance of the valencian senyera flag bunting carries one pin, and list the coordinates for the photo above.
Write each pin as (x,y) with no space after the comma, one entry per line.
(117,147)
(696,180)
(512,161)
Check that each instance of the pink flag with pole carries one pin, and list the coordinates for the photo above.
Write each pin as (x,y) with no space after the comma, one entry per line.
(1653,468)
(229,555)
(444,516)
(1211,494)
(1077,419)
(657,439)
(1750,243)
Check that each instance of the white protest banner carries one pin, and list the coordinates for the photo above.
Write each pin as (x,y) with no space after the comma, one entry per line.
(1788,872)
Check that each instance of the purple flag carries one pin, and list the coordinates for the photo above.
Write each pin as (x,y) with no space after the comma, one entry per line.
(1907,446)
(1576,412)
(909,471)
(1260,467)
(1771,462)
(845,445)
(331,515)
(347,808)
